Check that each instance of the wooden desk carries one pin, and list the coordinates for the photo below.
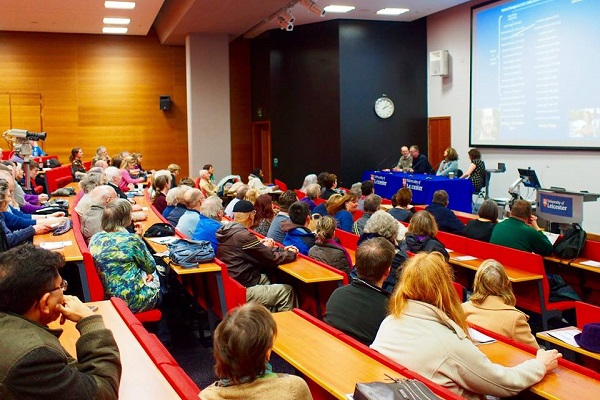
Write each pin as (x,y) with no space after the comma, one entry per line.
(545,336)
(575,263)
(561,383)
(332,364)
(514,275)
(309,272)
(140,379)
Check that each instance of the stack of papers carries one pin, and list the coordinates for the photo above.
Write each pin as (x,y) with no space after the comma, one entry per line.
(591,263)
(163,240)
(55,245)
(551,236)
(464,258)
(480,338)
(566,335)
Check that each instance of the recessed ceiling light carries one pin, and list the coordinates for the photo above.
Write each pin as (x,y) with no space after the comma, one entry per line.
(121,5)
(392,11)
(338,9)
(116,21)
(114,29)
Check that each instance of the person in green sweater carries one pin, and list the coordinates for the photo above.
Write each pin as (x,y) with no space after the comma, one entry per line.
(242,348)
(521,231)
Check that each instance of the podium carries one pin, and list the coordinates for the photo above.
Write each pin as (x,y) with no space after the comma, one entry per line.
(561,206)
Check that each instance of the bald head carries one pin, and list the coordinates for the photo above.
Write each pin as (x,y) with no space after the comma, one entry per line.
(103,194)
(193,199)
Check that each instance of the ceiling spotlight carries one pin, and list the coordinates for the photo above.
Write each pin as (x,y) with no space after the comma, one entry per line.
(311,6)
(283,24)
(287,16)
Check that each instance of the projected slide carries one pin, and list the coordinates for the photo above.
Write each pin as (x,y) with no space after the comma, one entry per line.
(535,78)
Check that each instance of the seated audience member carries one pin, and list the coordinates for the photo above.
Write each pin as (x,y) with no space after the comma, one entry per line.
(366,188)
(420,164)
(402,211)
(137,163)
(312,192)
(27,203)
(296,228)
(87,184)
(171,199)
(247,258)
(242,348)
(174,170)
(206,185)
(101,164)
(426,332)
(34,187)
(405,162)
(211,170)
(126,267)
(420,235)
(355,189)
(128,170)
(77,169)
(160,185)
(101,155)
(482,227)
(9,238)
(34,364)
(521,231)
(371,204)
(36,150)
(357,309)
(327,250)
(308,180)
(329,185)
(446,220)
(91,221)
(321,209)
(264,214)
(252,195)
(193,199)
(449,163)
(114,179)
(115,161)
(211,213)
(285,201)
(342,210)
(492,305)
(382,224)
(239,195)
(187,181)
(255,181)
(178,204)
(476,171)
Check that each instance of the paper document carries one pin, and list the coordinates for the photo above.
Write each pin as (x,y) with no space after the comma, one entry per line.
(55,245)
(163,240)
(479,337)
(449,250)
(566,335)
(551,236)
(591,263)
(464,258)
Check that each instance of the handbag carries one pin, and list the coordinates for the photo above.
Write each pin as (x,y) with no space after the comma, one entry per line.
(190,253)
(401,389)
(160,229)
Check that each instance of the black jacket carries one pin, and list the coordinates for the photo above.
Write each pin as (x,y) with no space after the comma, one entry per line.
(415,244)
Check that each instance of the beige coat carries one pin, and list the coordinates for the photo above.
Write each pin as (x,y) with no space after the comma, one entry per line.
(498,317)
(426,341)
(272,387)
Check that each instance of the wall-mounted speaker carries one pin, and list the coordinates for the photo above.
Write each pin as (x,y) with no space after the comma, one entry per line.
(165,103)
(438,63)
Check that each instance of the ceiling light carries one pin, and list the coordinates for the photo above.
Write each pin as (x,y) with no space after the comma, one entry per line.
(338,9)
(120,5)
(116,21)
(392,11)
(285,25)
(312,7)
(114,29)
(287,16)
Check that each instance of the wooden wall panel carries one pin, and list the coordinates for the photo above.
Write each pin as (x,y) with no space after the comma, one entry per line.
(26,111)
(4,114)
(102,90)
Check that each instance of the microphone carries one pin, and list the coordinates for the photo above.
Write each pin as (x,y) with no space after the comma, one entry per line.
(434,169)
(382,162)
(419,162)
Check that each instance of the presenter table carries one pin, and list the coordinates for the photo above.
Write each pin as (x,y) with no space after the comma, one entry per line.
(460,191)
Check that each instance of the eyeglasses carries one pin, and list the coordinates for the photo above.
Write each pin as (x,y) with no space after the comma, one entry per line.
(63,286)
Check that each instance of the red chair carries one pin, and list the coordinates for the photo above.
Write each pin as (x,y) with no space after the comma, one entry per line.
(460,290)
(357,214)
(586,313)
(181,382)
(347,239)
(299,194)
(281,185)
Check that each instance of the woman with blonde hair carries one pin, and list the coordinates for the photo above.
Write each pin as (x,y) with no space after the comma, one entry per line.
(342,210)
(327,250)
(127,168)
(492,305)
(420,235)
(252,195)
(426,331)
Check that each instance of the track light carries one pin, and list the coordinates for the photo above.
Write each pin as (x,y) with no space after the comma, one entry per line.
(283,24)
(311,6)
(287,16)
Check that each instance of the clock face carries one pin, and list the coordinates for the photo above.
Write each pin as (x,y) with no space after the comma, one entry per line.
(384,107)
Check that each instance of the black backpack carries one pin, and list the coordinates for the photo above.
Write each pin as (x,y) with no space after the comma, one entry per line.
(570,245)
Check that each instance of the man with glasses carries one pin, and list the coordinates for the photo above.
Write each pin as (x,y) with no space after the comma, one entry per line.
(33,362)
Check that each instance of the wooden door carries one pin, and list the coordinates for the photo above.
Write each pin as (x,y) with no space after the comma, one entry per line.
(261,148)
(438,139)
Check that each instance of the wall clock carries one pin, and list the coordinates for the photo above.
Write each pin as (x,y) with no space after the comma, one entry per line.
(384,107)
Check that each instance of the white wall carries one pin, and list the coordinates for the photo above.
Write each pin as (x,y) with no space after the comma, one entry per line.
(209,126)
(573,170)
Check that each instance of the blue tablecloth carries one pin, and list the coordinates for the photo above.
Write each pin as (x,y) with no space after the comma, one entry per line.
(460,191)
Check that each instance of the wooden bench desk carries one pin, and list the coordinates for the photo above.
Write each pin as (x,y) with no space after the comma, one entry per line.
(514,275)
(562,383)
(309,272)
(330,363)
(548,338)
(140,378)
